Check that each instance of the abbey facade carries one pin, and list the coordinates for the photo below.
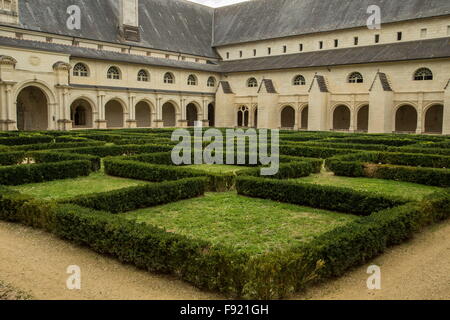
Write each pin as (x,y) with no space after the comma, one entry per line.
(288,64)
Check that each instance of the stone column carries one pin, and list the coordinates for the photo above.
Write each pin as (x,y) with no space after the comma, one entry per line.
(101,122)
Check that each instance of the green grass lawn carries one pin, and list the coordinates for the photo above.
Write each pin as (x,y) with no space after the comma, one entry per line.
(60,189)
(217,168)
(252,225)
(407,190)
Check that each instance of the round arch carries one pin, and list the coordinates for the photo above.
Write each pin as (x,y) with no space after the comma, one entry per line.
(434,119)
(32,109)
(114,113)
(304,121)
(169,114)
(81,113)
(193,111)
(143,114)
(406,119)
(341,117)
(288,117)
(362,121)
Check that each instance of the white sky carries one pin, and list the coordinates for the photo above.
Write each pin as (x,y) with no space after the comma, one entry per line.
(217,3)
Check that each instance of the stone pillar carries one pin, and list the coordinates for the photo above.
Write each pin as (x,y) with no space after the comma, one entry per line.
(318,102)
(181,116)
(381,106)
(8,121)
(158,121)
(64,121)
(131,116)
(100,121)
(225,107)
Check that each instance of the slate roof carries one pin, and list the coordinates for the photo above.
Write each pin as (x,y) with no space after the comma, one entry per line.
(169,25)
(267,19)
(226,87)
(268,84)
(323,87)
(382,77)
(413,50)
(88,53)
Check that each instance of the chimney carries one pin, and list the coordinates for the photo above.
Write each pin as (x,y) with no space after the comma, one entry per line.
(129,20)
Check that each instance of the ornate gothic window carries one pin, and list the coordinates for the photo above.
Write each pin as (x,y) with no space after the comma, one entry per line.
(355,77)
(299,80)
(192,80)
(252,83)
(169,78)
(80,70)
(143,76)
(113,73)
(211,82)
(423,74)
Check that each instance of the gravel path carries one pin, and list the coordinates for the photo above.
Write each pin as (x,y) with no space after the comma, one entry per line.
(36,262)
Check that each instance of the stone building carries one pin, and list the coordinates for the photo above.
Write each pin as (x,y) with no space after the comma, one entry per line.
(291,64)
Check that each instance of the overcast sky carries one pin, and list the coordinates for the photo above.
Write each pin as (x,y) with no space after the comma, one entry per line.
(217,3)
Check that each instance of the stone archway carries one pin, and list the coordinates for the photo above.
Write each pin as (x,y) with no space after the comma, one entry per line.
(169,115)
(212,115)
(434,119)
(341,118)
(305,115)
(406,119)
(81,114)
(255,118)
(32,109)
(288,117)
(191,114)
(362,123)
(114,114)
(143,114)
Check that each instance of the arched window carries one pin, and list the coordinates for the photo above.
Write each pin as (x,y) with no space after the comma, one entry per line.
(113,73)
(192,80)
(80,70)
(169,78)
(355,77)
(211,82)
(423,74)
(252,83)
(299,80)
(143,76)
(243,116)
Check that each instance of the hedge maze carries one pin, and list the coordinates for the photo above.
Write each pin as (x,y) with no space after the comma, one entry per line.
(228,229)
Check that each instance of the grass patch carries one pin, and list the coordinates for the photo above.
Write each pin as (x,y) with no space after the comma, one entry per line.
(217,168)
(252,225)
(60,189)
(410,191)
